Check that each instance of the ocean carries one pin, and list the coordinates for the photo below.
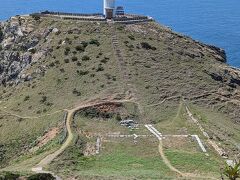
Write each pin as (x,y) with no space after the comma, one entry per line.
(215,22)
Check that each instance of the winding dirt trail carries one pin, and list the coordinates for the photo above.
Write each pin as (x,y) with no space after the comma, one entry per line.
(48,159)
(8,113)
(172,168)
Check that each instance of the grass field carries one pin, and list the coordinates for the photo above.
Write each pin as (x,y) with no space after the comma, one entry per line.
(167,72)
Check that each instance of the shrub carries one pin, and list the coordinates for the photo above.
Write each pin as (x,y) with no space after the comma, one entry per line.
(67,40)
(85,58)
(60,41)
(8,176)
(66,60)
(92,75)
(120,28)
(84,44)
(26,98)
(52,64)
(49,104)
(41,176)
(104,61)
(147,46)
(44,99)
(131,37)
(32,50)
(57,62)
(118,117)
(82,73)
(36,17)
(100,68)
(66,53)
(232,172)
(114,78)
(67,50)
(76,92)
(95,42)
(74,58)
(1,35)
(80,48)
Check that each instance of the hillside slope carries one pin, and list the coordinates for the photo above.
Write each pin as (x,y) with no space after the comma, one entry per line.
(48,65)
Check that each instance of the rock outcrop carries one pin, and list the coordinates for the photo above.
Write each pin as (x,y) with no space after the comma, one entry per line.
(19,48)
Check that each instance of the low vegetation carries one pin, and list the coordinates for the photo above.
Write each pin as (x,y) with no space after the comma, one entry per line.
(161,70)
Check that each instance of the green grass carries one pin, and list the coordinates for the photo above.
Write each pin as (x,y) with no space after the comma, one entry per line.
(194,162)
(22,135)
(219,127)
(118,160)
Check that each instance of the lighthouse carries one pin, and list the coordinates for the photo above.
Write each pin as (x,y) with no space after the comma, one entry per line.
(109,8)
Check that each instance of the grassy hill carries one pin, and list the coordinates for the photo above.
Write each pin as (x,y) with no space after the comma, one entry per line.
(53,65)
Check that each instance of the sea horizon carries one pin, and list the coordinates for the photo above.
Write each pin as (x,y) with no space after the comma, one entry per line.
(211,22)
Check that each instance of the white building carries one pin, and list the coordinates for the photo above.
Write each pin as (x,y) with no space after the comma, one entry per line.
(109,8)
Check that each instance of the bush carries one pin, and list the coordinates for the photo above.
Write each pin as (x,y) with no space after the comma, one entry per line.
(95,42)
(147,46)
(36,17)
(84,44)
(131,37)
(1,35)
(26,98)
(118,117)
(232,172)
(62,70)
(52,64)
(120,28)
(67,40)
(74,58)
(80,48)
(85,58)
(82,73)
(105,60)
(100,68)
(41,176)
(76,92)
(44,99)
(67,50)
(66,60)
(8,176)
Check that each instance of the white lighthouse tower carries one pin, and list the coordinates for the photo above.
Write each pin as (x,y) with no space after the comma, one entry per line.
(109,8)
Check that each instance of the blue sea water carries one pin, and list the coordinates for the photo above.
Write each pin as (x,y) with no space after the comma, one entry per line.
(214,22)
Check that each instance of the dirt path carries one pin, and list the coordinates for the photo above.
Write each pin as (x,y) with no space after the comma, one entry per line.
(166,161)
(48,159)
(172,168)
(8,113)
(159,136)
